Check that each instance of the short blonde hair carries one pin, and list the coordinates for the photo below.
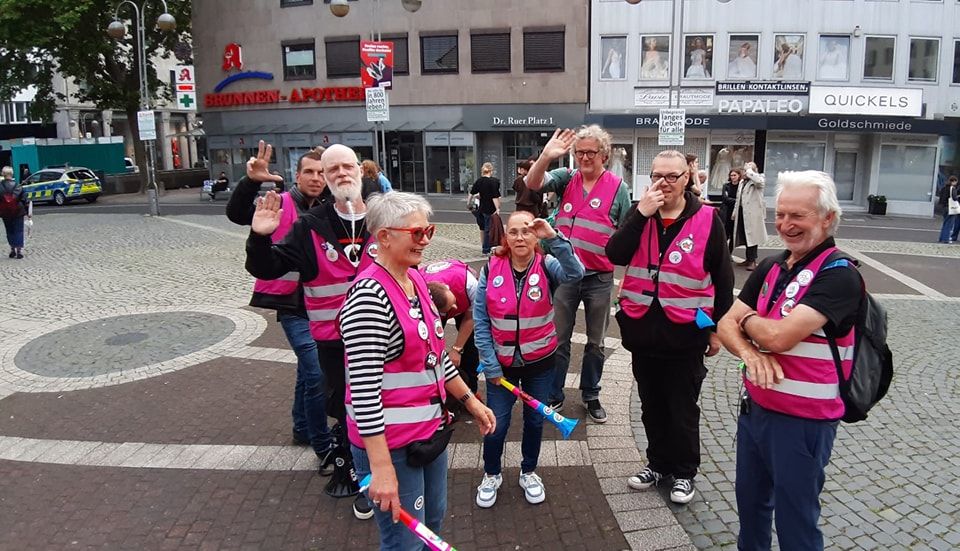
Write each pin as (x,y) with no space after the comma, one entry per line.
(7,172)
(486,169)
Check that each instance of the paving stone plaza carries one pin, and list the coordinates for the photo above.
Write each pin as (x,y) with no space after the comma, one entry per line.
(144,405)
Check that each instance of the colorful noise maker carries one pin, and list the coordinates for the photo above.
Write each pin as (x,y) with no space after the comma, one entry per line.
(425,534)
(565,425)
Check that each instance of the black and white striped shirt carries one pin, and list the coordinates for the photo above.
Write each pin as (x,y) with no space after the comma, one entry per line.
(372,336)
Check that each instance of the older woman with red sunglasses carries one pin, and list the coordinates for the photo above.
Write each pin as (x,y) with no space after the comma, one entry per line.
(398,374)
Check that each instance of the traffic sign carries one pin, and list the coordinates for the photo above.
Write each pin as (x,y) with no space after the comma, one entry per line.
(147,124)
(378,105)
(673,124)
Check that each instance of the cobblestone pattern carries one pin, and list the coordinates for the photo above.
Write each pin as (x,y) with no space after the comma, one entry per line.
(892,481)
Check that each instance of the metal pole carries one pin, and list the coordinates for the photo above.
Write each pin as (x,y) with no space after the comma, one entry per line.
(153,190)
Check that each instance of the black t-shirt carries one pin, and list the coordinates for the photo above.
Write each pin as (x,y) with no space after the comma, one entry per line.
(488,188)
(834,292)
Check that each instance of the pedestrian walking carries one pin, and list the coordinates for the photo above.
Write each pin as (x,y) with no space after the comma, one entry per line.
(678,280)
(949,200)
(790,309)
(728,203)
(517,339)
(594,203)
(398,375)
(527,199)
(749,215)
(14,209)
(487,189)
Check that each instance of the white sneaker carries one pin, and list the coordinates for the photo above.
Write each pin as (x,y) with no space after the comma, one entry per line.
(532,488)
(487,490)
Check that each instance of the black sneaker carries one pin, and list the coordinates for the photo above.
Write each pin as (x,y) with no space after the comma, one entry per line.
(682,491)
(299,438)
(596,411)
(13,253)
(327,462)
(644,479)
(362,509)
(556,406)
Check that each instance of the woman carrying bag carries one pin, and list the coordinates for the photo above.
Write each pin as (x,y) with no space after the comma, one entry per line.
(950,202)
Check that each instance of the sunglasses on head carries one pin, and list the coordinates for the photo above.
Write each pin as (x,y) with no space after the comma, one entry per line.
(418,233)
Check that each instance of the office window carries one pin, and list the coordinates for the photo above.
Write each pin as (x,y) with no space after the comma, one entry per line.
(698,56)
(289,3)
(19,113)
(299,62)
(343,57)
(742,56)
(439,54)
(543,49)
(490,51)
(789,52)
(3,113)
(613,57)
(924,56)
(878,58)
(956,62)
(401,56)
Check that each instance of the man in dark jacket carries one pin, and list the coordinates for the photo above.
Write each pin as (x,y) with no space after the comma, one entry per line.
(13,209)
(309,401)
(678,281)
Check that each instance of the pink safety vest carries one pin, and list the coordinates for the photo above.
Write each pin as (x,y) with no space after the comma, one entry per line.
(527,321)
(810,388)
(324,295)
(288,282)
(586,220)
(412,389)
(453,274)
(678,280)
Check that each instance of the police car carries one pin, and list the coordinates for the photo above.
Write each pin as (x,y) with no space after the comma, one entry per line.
(58,185)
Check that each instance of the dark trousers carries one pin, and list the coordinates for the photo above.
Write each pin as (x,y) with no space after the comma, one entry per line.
(742,240)
(669,389)
(14,229)
(780,462)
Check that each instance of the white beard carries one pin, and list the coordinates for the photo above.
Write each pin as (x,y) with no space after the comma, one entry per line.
(346,193)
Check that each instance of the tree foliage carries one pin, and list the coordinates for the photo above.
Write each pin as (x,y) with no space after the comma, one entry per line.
(39,37)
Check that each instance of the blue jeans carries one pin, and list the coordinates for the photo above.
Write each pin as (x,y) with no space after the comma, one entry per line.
(949,229)
(423,493)
(500,401)
(594,291)
(486,233)
(309,401)
(14,227)
(780,463)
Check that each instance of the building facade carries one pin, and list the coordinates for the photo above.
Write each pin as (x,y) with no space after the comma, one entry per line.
(472,82)
(866,90)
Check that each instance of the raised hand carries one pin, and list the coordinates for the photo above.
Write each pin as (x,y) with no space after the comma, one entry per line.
(559,144)
(258,168)
(541,228)
(266,218)
(651,201)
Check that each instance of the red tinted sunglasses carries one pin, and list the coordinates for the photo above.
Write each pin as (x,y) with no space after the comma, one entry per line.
(418,233)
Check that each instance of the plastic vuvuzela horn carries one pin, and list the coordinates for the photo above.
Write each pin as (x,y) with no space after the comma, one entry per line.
(425,534)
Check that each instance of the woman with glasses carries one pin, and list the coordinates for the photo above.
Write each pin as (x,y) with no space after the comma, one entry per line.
(516,337)
(398,375)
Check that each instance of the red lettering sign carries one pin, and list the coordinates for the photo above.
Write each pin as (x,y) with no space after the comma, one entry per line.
(297,95)
(232,57)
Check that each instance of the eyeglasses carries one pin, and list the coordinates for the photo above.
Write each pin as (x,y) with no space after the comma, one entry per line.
(669,178)
(418,233)
(525,232)
(585,153)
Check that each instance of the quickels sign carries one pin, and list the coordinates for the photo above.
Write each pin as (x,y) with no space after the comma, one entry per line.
(850,100)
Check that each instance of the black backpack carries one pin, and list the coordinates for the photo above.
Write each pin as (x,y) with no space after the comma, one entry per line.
(872,369)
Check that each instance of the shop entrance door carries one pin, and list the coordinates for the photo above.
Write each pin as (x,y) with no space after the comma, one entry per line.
(845,174)
(405,154)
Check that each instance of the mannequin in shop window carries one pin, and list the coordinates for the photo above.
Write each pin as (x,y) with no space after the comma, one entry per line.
(721,169)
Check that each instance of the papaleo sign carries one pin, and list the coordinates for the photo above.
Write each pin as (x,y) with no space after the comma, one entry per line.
(147,124)
(673,124)
(378,106)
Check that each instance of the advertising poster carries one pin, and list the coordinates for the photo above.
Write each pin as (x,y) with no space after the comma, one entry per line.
(377,61)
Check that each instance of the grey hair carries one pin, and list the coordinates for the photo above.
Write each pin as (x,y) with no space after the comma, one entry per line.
(387,210)
(594,132)
(671,154)
(827,192)
(7,172)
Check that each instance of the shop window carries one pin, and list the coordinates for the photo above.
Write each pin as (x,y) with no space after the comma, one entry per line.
(439,54)
(698,56)
(924,55)
(299,61)
(790,156)
(621,163)
(742,56)
(490,51)
(543,49)
(647,149)
(725,157)
(788,55)
(907,172)
(655,60)
(401,55)
(878,58)
(833,63)
(956,62)
(343,57)
(613,60)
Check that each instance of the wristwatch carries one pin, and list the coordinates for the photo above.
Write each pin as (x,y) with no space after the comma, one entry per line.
(457,349)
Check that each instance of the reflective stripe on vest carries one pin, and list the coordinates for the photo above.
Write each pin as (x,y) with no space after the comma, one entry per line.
(681,284)
(585,220)
(324,295)
(810,388)
(288,282)
(330,290)
(527,319)
(411,391)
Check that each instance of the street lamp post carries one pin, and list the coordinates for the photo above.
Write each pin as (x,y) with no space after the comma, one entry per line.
(118,30)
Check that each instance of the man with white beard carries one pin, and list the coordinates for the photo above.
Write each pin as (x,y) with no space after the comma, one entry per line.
(328,246)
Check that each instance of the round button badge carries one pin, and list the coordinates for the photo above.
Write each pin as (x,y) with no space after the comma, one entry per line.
(792,289)
(567,207)
(804,277)
(675,257)
(422,330)
(534,279)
